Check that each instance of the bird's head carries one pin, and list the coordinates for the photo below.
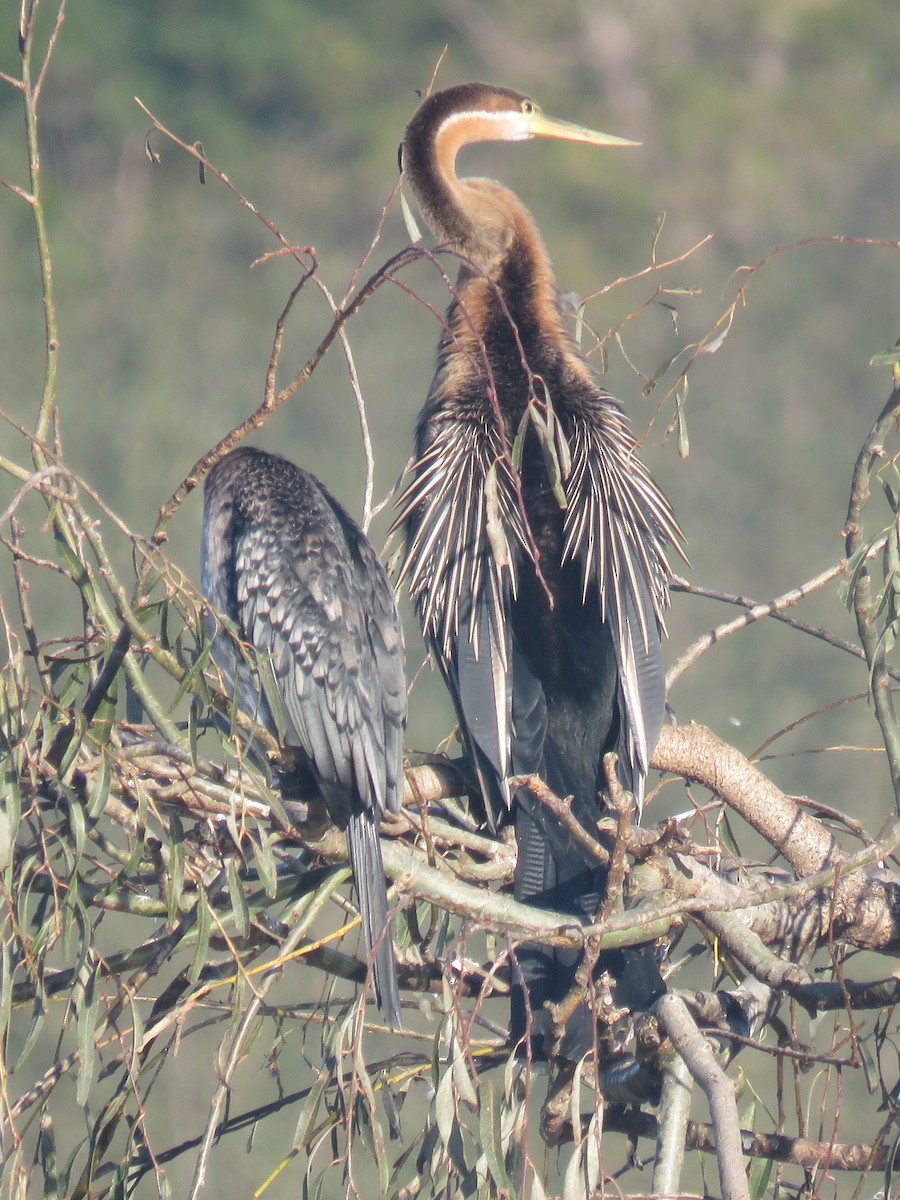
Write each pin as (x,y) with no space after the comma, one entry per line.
(482,112)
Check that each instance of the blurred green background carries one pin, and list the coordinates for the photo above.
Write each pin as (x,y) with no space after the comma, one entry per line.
(763,122)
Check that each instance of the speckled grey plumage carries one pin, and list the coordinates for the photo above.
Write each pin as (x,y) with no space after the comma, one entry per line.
(301,582)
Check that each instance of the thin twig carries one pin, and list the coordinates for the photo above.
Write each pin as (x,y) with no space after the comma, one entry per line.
(885,712)
(771,608)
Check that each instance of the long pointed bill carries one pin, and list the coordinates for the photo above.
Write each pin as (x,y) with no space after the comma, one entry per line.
(539,124)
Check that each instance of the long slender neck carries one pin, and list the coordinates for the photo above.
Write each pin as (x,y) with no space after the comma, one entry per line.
(429,158)
(482,220)
(482,224)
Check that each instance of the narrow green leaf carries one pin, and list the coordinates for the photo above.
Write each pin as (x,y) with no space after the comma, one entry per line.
(164,640)
(445,1108)
(579,323)
(448,1123)
(5,986)
(10,813)
(175,873)
(238,897)
(74,746)
(658,374)
(594,1149)
(193,732)
(78,826)
(573,1181)
(760,1174)
(715,343)
(47,1157)
(554,470)
(35,1029)
(137,1028)
(204,929)
(657,233)
(491,1142)
(310,1111)
(889,1169)
(575,1099)
(265,862)
(412,229)
(463,1080)
(518,446)
(104,721)
(67,678)
(538,1191)
(187,683)
(99,793)
(87,1005)
(869,1065)
(684,443)
(856,566)
(364,1082)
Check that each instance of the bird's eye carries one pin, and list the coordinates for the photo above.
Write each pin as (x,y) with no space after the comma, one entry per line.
(527,107)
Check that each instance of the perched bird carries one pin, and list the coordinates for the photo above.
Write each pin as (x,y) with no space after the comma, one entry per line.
(535,539)
(300,581)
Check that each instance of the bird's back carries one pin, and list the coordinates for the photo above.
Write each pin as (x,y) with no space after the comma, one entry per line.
(284,562)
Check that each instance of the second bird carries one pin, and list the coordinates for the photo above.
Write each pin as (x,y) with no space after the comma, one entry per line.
(535,540)
(283,561)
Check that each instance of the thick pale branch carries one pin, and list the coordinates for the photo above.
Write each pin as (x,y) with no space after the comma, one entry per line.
(673,1015)
(802,1152)
(697,753)
(865,906)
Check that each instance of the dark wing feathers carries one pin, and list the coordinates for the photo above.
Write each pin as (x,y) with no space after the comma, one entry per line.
(465,540)
(305,587)
(643,685)
(462,575)
(618,526)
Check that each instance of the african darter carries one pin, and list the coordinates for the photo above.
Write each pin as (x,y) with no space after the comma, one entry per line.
(535,540)
(283,561)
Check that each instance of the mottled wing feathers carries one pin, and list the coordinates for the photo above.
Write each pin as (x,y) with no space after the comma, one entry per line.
(219,585)
(301,601)
(300,581)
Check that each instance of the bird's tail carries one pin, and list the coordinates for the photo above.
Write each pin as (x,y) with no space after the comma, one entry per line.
(553,872)
(368,875)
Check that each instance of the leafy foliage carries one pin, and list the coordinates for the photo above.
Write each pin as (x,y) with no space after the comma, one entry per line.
(159,898)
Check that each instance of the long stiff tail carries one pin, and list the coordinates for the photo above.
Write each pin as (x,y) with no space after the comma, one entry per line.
(552,872)
(368,875)
(548,879)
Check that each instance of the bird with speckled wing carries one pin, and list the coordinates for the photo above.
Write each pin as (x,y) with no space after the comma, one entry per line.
(283,561)
(536,542)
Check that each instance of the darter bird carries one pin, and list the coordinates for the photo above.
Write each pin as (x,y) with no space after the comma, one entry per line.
(535,540)
(283,561)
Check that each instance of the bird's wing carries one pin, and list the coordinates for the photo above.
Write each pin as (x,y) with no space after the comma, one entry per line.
(218,583)
(618,526)
(463,536)
(303,600)
(300,582)
(384,636)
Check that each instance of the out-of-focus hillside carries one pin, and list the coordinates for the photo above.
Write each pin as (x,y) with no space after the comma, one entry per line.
(762,123)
